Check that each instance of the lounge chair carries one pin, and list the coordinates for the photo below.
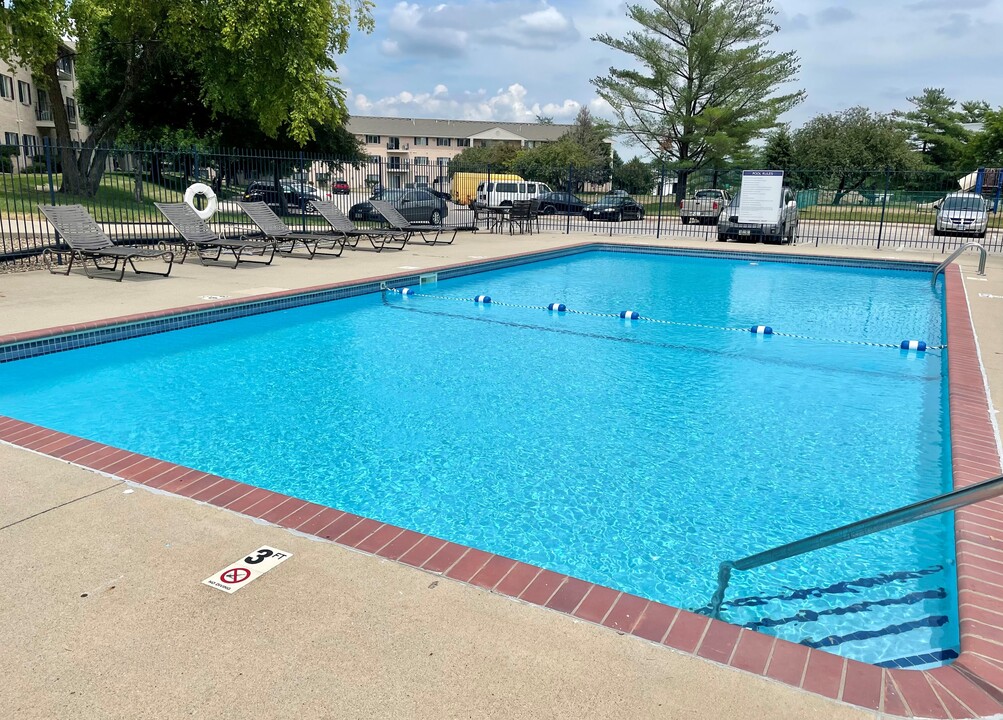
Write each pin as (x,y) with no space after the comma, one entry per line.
(398,222)
(196,235)
(339,222)
(285,237)
(88,241)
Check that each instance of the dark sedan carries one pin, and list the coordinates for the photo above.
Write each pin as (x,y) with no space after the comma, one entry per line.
(418,206)
(297,195)
(614,207)
(560,202)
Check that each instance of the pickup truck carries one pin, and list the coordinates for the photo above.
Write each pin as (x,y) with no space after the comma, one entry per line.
(704,207)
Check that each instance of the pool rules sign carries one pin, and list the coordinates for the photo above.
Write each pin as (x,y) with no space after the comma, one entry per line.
(759,201)
(233,577)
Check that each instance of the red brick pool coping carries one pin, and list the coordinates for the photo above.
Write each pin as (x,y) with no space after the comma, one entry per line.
(971,686)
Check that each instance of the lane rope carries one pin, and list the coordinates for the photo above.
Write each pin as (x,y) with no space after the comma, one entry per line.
(643,318)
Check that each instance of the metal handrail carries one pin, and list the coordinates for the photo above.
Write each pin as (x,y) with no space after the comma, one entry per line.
(956,253)
(893,518)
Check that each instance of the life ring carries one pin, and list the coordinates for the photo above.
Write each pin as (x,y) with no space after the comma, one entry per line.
(210,199)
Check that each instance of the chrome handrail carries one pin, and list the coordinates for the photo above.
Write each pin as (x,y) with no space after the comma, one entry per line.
(956,253)
(893,518)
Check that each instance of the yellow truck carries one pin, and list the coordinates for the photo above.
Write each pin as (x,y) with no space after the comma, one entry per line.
(464,186)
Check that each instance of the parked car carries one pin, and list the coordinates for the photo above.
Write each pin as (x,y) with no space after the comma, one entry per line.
(560,202)
(786,229)
(297,195)
(704,207)
(614,207)
(340,187)
(962,214)
(415,205)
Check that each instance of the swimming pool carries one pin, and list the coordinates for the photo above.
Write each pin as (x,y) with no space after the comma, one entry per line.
(631,454)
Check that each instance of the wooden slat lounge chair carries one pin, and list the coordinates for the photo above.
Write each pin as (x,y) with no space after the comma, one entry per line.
(378,237)
(398,222)
(88,241)
(285,237)
(196,235)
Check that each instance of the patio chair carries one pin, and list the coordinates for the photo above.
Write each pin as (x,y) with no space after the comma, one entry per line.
(88,241)
(521,215)
(534,212)
(397,221)
(351,233)
(284,237)
(196,235)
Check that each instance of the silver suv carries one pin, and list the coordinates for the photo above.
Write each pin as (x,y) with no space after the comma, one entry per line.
(786,229)
(962,214)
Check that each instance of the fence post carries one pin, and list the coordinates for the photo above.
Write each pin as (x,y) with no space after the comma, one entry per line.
(661,201)
(884,204)
(195,152)
(302,194)
(47,145)
(567,223)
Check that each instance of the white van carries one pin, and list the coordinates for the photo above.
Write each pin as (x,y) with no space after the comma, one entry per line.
(505,192)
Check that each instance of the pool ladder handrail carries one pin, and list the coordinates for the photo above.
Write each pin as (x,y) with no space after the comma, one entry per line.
(956,253)
(893,518)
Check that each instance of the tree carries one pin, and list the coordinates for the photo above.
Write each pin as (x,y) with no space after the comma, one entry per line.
(545,119)
(974,111)
(778,153)
(479,159)
(635,176)
(986,147)
(934,128)
(247,59)
(844,149)
(706,84)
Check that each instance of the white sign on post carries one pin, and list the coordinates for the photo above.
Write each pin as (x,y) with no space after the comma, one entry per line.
(761,193)
(233,577)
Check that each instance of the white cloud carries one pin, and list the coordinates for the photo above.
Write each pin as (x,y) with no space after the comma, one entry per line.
(450,30)
(510,104)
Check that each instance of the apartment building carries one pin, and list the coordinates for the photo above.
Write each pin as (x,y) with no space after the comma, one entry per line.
(418,150)
(26,110)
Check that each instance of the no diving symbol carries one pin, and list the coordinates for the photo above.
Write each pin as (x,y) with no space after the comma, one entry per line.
(235,575)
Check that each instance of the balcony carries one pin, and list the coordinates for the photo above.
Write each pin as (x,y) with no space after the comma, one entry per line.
(397,147)
(43,116)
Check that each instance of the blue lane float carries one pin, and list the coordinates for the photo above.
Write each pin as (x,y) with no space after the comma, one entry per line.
(557,307)
(483,299)
(630,315)
(917,345)
(407,291)
(761,330)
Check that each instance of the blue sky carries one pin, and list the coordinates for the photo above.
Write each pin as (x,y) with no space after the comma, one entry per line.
(514,59)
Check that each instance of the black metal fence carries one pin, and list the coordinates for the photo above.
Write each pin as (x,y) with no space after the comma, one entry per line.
(878,208)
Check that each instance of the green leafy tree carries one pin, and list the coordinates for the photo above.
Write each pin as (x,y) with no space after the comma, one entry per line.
(842,151)
(545,119)
(986,147)
(269,61)
(635,176)
(703,83)
(934,128)
(554,163)
(778,153)
(973,111)
(478,159)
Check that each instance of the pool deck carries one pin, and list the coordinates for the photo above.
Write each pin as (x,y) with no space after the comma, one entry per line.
(106,616)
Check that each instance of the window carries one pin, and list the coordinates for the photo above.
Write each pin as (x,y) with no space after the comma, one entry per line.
(442,162)
(443,142)
(374,158)
(506,187)
(24,92)
(421,179)
(30,143)
(522,187)
(71,111)
(462,142)
(393,143)
(65,64)
(531,188)
(421,141)
(421,160)
(373,139)
(10,139)
(6,87)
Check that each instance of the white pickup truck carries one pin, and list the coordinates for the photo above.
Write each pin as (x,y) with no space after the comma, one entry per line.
(704,207)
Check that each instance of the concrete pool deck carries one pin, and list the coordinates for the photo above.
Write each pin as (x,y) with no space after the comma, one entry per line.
(331,633)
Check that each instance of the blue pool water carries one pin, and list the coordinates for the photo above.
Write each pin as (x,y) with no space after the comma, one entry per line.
(630,454)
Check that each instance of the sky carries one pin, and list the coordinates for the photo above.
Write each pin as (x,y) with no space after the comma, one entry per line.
(516,59)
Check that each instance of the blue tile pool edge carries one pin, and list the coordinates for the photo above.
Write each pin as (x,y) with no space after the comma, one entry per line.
(60,340)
